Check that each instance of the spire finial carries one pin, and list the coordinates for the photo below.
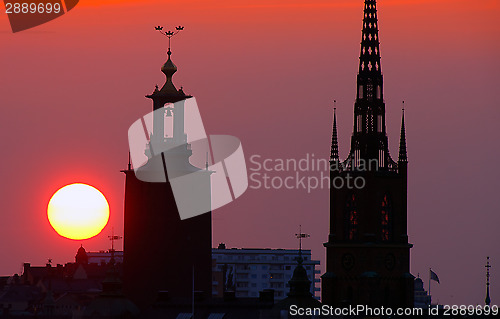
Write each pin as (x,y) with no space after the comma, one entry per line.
(113,237)
(169,67)
(169,34)
(487,300)
(402,142)
(299,236)
(334,152)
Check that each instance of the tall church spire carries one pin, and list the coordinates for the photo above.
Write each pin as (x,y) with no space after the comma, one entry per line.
(369,140)
(334,154)
(369,58)
(372,217)
(402,141)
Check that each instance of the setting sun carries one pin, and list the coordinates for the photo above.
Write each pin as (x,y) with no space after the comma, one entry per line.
(78,211)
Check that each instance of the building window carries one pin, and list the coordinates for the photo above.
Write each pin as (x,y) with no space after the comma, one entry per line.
(360,92)
(276,285)
(276,276)
(386,212)
(379,123)
(381,158)
(242,276)
(369,91)
(351,218)
(357,157)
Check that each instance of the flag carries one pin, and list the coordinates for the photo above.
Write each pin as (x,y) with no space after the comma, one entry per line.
(434,276)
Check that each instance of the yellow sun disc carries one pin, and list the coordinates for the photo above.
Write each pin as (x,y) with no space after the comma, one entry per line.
(78,211)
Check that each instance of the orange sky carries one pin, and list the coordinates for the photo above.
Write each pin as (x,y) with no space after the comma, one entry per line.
(69,90)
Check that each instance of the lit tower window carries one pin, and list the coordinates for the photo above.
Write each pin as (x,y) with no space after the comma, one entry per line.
(386,212)
(352,218)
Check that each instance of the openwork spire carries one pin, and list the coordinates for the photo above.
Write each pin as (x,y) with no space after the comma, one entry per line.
(487,300)
(369,58)
(402,141)
(334,155)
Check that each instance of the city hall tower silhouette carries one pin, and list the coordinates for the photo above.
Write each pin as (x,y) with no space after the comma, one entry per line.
(367,253)
(166,258)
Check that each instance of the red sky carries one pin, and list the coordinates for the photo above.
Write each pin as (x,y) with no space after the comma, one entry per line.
(265,71)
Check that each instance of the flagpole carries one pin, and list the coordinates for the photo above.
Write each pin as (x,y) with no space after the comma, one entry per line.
(430,297)
(192,305)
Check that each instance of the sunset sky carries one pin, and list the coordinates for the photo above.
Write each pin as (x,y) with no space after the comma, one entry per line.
(266,72)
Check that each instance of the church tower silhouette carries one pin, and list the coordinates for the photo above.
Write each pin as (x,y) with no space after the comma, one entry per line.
(367,253)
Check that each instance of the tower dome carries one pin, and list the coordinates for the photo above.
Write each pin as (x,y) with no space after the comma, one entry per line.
(419,284)
(169,68)
(299,295)
(81,256)
(300,283)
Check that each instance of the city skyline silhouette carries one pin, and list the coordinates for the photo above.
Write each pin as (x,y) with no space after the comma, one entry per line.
(71,89)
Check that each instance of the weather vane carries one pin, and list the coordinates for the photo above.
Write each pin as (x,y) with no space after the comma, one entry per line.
(299,236)
(169,34)
(113,237)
